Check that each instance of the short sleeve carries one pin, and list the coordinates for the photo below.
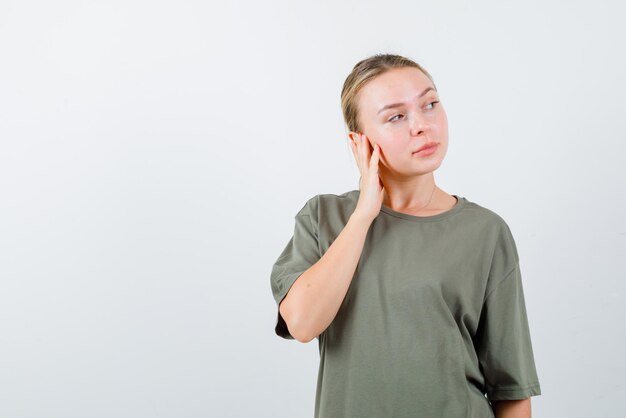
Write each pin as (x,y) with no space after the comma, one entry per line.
(504,346)
(300,253)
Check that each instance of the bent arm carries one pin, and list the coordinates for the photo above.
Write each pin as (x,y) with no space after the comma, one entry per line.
(316,296)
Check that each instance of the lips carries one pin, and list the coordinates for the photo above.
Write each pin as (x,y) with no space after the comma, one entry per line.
(426,146)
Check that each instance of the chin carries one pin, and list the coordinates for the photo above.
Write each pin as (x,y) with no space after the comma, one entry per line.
(427,166)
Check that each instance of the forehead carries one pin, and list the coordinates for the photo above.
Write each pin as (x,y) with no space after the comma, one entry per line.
(396,85)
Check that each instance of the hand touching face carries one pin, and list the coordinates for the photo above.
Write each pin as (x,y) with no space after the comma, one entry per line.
(400,110)
(370,185)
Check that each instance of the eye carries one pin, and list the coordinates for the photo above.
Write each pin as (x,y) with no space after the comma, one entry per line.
(433,103)
(393,118)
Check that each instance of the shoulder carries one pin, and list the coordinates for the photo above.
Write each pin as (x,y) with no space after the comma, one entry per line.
(325,203)
(346,200)
(494,229)
(485,218)
(482,214)
(330,211)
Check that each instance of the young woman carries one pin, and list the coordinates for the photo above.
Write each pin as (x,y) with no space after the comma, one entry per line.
(415,295)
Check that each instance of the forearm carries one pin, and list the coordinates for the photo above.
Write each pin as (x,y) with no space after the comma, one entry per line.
(315,297)
(512,409)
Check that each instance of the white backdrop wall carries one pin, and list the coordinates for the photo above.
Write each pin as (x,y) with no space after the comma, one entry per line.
(153,155)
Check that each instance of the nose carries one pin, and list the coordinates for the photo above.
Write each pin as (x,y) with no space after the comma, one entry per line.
(418,123)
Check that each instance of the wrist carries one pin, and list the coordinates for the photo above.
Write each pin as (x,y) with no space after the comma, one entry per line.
(361,219)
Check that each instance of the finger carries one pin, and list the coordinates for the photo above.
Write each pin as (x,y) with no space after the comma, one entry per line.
(363,149)
(355,153)
(363,152)
(363,143)
(374,167)
(368,147)
(375,157)
(353,147)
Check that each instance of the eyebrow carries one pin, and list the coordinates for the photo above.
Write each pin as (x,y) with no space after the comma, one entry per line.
(389,106)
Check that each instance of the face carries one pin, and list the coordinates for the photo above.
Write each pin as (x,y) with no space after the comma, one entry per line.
(400,111)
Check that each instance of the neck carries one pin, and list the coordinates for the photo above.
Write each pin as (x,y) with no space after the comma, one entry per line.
(416,193)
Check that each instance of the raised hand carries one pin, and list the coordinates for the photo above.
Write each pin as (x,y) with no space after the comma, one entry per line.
(370,185)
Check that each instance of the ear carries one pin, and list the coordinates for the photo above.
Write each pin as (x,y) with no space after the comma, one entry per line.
(352,136)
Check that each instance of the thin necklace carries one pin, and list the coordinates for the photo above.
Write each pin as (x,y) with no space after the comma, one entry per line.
(429,200)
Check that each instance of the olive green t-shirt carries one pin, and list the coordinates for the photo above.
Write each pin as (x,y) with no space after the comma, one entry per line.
(434,318)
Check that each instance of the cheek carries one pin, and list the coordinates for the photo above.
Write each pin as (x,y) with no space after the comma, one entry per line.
(393,152)
(388,143)
(391,146)
(442,122)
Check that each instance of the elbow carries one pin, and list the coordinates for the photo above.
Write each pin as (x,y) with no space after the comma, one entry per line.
(303,338)
(301,334)
(296,331)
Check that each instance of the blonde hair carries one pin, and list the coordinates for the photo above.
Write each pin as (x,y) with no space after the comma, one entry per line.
(364,71)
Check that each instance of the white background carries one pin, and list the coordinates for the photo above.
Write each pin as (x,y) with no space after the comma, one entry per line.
(153,156)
